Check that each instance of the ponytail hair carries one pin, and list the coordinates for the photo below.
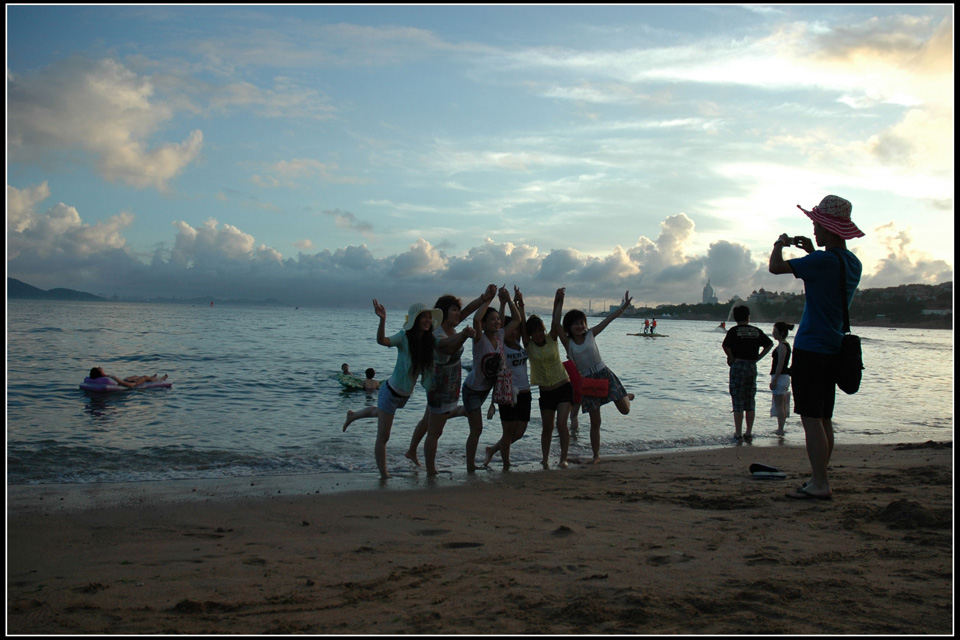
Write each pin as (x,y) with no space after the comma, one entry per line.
(783,327)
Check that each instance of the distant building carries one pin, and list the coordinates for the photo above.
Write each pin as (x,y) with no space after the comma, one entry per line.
(708,294)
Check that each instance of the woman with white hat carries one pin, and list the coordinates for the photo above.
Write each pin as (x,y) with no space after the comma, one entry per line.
(415,344)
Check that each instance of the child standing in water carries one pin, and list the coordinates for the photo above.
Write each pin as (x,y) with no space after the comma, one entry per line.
(415,344)
(780,374)
(581,345)
(547,371)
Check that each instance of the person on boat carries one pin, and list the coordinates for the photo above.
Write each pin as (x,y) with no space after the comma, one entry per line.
(646,325)
(97,376)
(653,326)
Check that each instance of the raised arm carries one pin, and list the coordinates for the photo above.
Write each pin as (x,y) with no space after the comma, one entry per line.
(611,316)
(777,264)
(381,328)
(489,294)
(517,311)
(478,318)
(556,326)
(451,344)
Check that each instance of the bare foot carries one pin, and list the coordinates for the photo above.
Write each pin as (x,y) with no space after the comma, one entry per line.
(595,460)
(545,463)
(490,452)
(412,457)
(432,473)
(630,397)
(164,377)
(349,419)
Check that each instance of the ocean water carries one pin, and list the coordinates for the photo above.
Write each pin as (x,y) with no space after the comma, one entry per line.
(254,393)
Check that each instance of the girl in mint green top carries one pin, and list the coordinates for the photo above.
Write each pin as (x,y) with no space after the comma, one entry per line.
(415,345)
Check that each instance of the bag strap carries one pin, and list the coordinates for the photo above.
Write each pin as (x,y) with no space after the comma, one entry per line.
(843,291)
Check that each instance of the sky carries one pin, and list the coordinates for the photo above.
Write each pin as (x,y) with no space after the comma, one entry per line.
(328,155)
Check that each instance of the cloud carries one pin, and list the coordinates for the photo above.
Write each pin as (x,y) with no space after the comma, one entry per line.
(346,220)
(101,108)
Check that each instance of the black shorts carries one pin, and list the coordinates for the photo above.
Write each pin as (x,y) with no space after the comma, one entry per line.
(550,400)
(519,411)
(813,383)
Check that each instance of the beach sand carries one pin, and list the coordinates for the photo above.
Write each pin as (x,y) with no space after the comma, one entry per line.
(679,542)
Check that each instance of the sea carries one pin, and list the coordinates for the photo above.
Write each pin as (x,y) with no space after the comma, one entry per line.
(255,394)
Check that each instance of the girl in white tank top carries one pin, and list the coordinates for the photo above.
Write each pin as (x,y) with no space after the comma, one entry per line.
(581,346)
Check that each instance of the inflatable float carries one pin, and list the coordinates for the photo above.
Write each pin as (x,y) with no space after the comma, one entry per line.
(106,385)
(350,382)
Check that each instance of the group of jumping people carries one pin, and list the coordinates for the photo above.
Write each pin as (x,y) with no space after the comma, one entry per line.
(430,348)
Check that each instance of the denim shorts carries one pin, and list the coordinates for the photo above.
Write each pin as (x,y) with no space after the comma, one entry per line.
(472,399)
(389,400)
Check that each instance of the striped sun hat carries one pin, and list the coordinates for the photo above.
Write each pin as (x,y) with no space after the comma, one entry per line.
(833,214)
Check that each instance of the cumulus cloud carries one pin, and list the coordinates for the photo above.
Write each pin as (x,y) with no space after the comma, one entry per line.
(101,108)
(56,248)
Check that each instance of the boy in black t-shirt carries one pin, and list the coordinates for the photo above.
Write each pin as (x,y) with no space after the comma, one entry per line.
(744,345)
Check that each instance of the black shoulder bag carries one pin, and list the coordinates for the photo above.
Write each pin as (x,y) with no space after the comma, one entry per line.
(850,363)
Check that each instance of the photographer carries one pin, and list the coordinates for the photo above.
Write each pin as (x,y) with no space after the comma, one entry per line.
(818,337)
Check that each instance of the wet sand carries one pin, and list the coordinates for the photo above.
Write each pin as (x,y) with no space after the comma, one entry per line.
(666,543)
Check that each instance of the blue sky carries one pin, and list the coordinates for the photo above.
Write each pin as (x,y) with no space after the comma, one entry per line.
(327,155)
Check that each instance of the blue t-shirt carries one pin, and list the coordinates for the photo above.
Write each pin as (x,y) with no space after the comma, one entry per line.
(821,326)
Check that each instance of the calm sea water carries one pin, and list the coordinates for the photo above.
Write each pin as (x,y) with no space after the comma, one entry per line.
(254,393)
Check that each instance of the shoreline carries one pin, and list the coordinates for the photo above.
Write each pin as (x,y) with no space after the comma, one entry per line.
(663,542)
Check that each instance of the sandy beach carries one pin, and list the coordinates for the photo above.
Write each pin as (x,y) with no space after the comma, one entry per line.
(666,543)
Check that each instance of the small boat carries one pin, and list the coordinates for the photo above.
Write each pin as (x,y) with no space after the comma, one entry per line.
(649,335)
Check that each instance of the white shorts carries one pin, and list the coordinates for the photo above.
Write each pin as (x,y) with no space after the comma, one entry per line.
(783,385)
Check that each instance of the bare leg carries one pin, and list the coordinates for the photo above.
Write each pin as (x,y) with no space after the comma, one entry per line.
(473,440)
(595,434)
(781,401)
(738,424)
(435,426)
(818,451)
(384,424)
(418,433)
(623,404)
(368,412)
(546,436)
(748,434)
(563,414)
(575,417)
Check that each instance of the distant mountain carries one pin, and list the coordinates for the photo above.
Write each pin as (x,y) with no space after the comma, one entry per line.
(17,290)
